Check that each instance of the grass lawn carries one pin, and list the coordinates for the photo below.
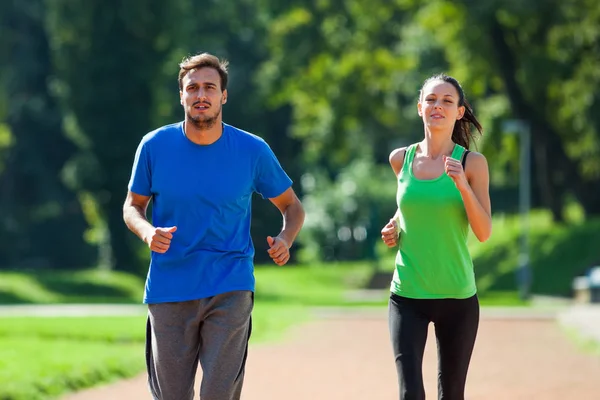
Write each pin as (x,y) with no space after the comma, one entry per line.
(83,286)
(38,368)
(41,358)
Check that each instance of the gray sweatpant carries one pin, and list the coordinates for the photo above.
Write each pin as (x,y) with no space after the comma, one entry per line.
(214,331)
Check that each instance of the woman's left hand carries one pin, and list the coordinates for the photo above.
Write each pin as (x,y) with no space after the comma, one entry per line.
(455,171)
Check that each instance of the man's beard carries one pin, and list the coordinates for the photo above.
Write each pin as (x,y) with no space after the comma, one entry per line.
(203,122)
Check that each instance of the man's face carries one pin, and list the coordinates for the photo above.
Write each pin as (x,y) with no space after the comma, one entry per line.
(202,98)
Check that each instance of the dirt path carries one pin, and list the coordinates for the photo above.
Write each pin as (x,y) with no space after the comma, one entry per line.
(348,357)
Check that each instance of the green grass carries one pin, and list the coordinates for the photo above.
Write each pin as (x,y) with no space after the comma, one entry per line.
(315,285)
(501,299)
(270,321)
(584,344)
(129,329)
(84,286)
(42,358)
(323,284)
(37,368)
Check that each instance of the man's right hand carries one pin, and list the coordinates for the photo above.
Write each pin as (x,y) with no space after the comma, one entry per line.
(159,239)
(389,234)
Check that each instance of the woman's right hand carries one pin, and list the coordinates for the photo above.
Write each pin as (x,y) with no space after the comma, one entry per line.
(389,233)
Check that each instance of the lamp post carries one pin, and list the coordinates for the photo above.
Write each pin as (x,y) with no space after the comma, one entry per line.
(523,129)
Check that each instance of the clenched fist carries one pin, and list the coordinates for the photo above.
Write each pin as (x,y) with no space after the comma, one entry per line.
(456,172)
(159,240)
(279,250)
(389,233)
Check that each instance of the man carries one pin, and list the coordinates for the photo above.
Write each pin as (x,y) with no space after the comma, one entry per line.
(201,174)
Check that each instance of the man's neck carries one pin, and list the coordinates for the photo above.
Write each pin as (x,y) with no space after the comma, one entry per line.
(203,136)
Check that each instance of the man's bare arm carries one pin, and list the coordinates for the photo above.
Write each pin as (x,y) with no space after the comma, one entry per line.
(134,215)
(293,218)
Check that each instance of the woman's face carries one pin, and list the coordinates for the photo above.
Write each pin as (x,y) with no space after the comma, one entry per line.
(438,106)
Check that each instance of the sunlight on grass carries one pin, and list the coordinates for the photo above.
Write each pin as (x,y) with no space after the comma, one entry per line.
(310,285)
(130,329)
(36,368)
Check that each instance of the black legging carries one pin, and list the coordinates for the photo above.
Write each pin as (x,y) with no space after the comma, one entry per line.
(456,322)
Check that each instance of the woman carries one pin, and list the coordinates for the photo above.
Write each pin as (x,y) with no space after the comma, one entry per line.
(442,189)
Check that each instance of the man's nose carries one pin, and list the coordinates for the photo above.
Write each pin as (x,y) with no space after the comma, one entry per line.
(201,94)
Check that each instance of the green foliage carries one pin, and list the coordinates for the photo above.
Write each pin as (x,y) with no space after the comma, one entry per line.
(520,61)
(558,254)
(35,203)
(344,80)
(108,91)
(345,215)
(328,83)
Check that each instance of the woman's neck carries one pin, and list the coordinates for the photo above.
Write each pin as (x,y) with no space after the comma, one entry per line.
(434,146)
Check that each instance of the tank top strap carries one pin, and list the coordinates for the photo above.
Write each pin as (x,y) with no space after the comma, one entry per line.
(409,156)
(458,152)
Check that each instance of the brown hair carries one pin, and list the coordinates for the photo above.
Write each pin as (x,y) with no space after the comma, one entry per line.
(200,61)
(461,134)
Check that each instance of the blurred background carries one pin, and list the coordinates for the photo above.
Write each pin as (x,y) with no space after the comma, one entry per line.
(332,86)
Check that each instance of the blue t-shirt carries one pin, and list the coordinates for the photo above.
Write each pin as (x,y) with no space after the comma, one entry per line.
(206,191)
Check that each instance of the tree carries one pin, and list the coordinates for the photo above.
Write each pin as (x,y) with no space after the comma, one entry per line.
(109,55)
(527,51)
(42,219)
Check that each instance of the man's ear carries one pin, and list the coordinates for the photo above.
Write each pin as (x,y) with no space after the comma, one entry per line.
(181,97)
(419,109)
(224,97)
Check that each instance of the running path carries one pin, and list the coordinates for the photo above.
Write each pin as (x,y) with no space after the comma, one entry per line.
(347,356)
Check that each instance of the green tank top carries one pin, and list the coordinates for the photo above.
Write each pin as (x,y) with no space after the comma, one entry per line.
(433,260)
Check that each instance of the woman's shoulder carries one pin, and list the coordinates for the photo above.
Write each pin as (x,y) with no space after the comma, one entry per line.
(475,162)
(397,158)
(475,157)
(397,155)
